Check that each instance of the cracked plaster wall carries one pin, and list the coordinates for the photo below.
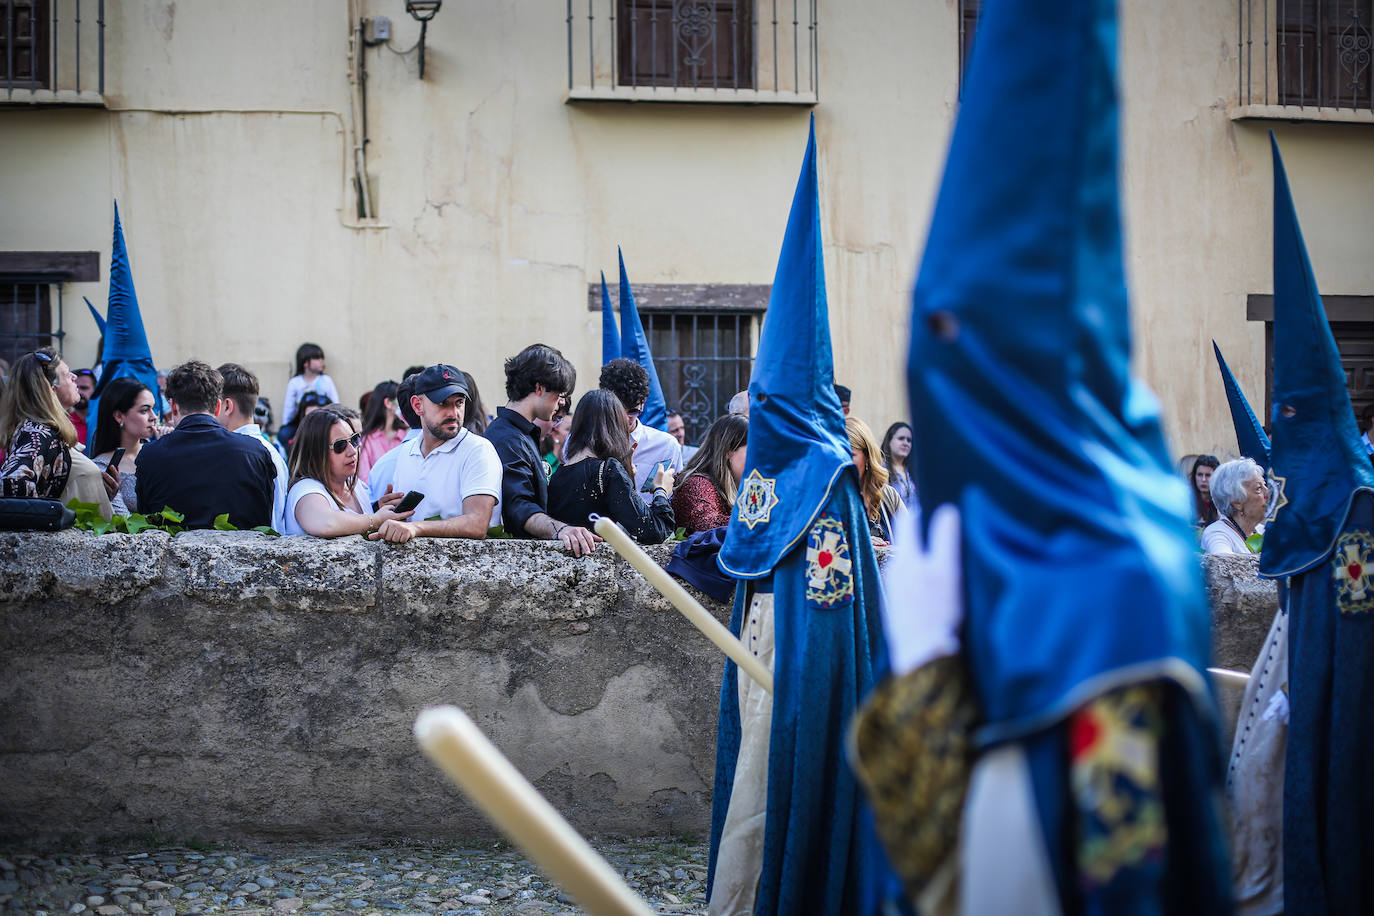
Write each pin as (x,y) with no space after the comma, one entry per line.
(226,142)
(225,686)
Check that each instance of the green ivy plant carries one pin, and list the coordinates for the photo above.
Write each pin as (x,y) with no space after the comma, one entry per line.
(88,518)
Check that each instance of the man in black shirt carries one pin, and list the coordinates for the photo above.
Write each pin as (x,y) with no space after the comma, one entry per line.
(538,382)
(201,469)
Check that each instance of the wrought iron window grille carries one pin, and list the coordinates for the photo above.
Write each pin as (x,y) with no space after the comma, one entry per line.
(1305,53)
(694,50)
(26,316)
(702,360)
(52,46)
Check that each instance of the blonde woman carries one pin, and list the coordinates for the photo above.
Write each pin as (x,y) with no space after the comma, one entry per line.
(43,460)
(881,502)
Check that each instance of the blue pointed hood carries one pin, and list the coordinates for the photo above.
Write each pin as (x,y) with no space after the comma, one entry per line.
(99,318)
(797,441)
(1251,438)
(1318,464)
(610,334)
(635,345)
(1080,565)
(126,353)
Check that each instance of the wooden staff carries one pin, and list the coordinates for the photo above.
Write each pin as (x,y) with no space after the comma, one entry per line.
(1225,678)
(450,739)
(669,587)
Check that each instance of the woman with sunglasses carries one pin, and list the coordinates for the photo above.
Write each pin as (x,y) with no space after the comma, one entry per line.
(327,499)
(40,439)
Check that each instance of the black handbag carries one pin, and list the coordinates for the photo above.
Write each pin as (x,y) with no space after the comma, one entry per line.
(34,515)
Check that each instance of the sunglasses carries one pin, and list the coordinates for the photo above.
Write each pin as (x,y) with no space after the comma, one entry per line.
(43,357)
(338,445)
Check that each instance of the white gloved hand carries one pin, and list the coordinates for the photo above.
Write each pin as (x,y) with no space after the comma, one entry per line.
(923,603)
(1277,708)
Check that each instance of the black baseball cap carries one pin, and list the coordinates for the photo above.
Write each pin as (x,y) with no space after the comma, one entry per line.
(439,383)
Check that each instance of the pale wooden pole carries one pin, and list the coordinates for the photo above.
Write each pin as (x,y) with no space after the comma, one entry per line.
(1227,678)
(450,739)
(671,589)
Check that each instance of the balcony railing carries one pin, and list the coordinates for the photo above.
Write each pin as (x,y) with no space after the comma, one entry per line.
(1305,54)
(52,50)
(751,51)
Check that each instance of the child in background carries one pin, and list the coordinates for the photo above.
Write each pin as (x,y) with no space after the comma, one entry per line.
(309,377)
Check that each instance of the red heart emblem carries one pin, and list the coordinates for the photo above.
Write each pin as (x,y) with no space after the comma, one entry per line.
(824,558)
(1354,570)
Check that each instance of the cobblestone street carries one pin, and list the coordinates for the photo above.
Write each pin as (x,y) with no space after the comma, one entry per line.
(384,880)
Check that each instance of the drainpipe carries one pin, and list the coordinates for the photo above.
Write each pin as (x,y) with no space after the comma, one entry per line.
(355,104)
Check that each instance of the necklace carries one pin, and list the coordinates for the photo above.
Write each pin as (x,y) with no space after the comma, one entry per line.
(1237,528)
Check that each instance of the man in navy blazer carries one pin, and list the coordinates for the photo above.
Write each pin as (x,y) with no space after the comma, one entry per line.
(201,469)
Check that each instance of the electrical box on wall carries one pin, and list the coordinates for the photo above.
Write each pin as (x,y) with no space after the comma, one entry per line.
(376,30)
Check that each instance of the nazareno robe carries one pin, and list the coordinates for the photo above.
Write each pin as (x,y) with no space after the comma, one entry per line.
(1328,804)
(820,853)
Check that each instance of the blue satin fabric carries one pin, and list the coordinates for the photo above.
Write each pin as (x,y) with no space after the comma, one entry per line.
(126,353)
(820,852)
(635,345)
(1251,438)
(1080,564)
(797,439)
(1318,462)
(1078,554)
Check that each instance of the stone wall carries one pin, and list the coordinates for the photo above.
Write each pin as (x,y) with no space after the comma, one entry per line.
(233,686)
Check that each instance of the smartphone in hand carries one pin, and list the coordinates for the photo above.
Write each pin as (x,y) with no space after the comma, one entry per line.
(409,501)
(116,458)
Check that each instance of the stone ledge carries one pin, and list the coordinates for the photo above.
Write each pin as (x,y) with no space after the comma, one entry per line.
(230,685)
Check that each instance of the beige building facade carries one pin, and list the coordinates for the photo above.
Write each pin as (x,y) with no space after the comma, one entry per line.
(500,184)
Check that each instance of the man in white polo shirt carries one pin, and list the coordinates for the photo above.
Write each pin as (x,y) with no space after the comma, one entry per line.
(458,472)
(629,382)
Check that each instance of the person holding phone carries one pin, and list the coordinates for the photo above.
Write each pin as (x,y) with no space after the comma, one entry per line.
(598,477)
(654,448)
(327,499)
(125,418)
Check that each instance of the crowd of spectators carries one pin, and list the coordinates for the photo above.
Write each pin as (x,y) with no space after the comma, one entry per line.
(420,458)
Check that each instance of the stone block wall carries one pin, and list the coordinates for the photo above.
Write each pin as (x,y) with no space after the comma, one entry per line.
(234,686)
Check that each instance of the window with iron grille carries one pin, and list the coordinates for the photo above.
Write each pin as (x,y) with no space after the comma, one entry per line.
(750,51)
(686,43)
(25,318)
(24,40)
(702,360)
(1323,52)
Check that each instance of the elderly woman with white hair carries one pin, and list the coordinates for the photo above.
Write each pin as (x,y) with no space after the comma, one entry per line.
(1241,497)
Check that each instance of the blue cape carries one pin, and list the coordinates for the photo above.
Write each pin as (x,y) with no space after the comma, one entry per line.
(1251,438)
(635,345)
